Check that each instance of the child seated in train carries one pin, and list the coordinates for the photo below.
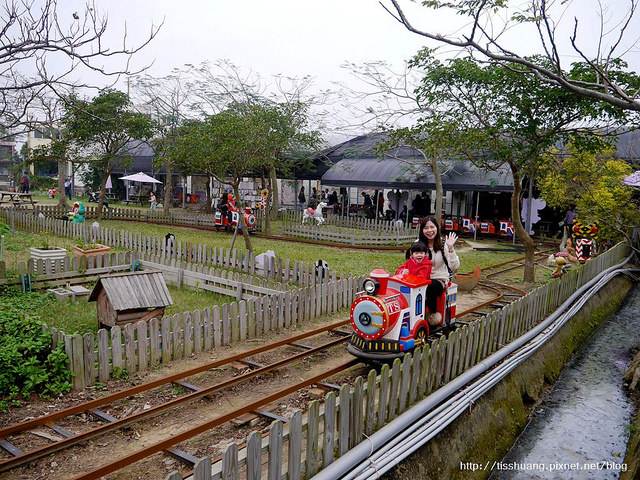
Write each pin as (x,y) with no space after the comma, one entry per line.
(418,263)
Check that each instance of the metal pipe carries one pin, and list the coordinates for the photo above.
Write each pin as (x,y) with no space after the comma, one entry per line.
(436,421)
(410,420)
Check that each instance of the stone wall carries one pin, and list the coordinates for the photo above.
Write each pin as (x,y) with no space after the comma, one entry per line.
(490,426)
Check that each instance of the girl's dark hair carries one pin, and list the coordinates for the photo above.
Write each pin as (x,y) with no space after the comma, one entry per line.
(418,247)
(437,240)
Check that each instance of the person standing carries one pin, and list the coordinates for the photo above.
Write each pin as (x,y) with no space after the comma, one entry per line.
(24,183)
(154,202)
(301,198)
(568,220)
(443,260)
(67,187)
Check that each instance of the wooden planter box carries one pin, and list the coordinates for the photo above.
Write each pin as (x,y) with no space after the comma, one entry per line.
(49,253)
(97,249)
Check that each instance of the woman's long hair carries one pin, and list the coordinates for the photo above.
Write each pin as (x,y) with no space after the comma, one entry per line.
(437,240)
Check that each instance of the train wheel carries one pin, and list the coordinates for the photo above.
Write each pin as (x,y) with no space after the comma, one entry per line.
(421,336)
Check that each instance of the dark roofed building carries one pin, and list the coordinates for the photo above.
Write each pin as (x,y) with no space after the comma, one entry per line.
(355,164)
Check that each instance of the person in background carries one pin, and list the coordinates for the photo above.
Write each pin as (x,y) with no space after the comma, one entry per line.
(443,259)
(67,187)
(24,183)
(154,202)
(569,218)
(301,198)
(403,214)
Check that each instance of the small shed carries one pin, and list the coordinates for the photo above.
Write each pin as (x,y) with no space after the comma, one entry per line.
(130,297)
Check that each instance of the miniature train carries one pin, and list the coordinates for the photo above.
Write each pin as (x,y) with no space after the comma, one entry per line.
(389,317)
(469,225)
(229,220)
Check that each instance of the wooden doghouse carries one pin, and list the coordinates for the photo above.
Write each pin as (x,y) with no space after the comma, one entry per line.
(130,297)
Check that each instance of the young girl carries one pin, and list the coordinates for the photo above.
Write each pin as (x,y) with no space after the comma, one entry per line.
(441,256)
(154,202)
(418,264)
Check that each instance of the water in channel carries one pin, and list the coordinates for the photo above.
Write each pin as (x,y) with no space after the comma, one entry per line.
(580,430)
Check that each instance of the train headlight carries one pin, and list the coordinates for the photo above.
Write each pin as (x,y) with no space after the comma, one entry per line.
(370,286)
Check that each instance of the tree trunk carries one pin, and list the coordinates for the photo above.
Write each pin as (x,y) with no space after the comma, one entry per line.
(267,216)
(167,188)
(435,167)
(62,175)
(273,201)
(209,199)
(103,189)
(520,232)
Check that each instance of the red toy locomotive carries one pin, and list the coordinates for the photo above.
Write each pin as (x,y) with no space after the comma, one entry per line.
(390,317)
(248,219)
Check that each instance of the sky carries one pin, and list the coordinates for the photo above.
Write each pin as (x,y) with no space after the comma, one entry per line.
(302,37)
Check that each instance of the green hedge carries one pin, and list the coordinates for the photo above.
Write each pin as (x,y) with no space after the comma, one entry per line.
(29,363)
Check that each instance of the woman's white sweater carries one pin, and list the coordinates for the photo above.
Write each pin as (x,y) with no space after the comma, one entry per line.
(439,268)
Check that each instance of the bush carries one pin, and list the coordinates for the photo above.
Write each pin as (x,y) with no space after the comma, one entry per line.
(29,363)
(43,183)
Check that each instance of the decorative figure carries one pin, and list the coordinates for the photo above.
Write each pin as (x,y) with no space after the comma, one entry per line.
(536,205)
(585,237)
(76,215)
(562,261)
(310,213)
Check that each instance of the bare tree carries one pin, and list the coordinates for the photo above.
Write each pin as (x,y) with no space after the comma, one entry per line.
(220,85)
(167,100)
(385,99)
(40,48)
(601,75)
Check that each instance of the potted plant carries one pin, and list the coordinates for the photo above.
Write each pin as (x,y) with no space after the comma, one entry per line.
(45,251)
(90,249)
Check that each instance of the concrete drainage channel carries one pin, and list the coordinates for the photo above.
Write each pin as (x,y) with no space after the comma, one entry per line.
(398,440)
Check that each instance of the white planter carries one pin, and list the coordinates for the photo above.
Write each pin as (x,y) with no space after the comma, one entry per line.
(51,253)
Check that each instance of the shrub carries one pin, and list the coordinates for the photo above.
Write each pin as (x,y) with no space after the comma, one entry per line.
(29,362)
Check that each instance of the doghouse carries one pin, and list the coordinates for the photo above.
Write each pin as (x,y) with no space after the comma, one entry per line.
(130,297)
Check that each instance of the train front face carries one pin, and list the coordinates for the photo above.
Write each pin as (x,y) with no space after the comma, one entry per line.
(377,319)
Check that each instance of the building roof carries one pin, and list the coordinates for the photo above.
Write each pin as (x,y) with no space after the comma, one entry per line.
(355,164)
(133,290)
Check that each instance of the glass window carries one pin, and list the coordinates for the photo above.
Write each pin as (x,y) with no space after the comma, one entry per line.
(419,304)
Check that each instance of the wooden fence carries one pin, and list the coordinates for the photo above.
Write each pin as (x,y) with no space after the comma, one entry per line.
(337,228)
(215,280)
(352,236)
(135,347)
(355,222)
(306,444)
(277,269)
(49,273)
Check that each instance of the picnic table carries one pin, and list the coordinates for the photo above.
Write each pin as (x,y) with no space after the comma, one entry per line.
(17,198)
(135,198)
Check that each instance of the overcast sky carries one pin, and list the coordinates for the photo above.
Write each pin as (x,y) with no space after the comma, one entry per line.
(303,37)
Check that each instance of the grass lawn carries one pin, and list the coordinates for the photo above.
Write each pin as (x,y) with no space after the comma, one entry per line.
(81,317)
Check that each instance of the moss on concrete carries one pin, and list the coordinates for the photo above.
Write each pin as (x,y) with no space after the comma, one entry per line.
(487,430)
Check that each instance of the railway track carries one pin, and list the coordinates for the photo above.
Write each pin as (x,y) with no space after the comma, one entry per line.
(149,400)
(94,420)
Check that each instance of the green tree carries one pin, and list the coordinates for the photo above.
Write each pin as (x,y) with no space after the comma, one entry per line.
(593,182)
(168,100)
(243,140)
(104,131)
(499,117)
(58,152)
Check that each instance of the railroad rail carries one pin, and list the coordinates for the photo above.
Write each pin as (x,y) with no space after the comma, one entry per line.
(97,408)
